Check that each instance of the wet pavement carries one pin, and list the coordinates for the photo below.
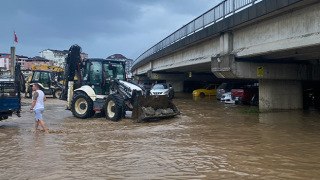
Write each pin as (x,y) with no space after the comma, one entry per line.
(210,140)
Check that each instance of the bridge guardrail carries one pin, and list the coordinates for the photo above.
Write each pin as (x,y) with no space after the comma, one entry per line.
(217,13)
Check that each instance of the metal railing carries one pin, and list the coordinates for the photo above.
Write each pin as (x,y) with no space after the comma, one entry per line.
(217,13)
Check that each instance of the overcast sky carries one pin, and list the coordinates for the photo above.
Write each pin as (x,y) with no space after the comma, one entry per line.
(100,27)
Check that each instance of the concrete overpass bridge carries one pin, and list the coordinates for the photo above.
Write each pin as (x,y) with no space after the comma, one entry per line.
(274,41)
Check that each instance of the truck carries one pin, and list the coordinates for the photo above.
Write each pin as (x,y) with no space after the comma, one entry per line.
(247,94)
(10,99)
(102,86)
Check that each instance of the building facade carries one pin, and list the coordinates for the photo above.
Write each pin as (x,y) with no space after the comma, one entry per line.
(36,60)
(84,55)
(20,59)
(5,61)
(58,56)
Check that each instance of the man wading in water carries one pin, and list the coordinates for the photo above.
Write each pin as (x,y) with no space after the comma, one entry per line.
(37,106)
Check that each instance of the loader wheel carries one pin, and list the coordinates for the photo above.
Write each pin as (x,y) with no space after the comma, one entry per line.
(113,107)
(82,106)
(57,92)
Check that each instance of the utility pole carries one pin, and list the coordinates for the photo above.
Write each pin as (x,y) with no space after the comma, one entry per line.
(13,59)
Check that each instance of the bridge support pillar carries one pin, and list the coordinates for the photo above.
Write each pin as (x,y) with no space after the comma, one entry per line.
(280,94)
(221,63)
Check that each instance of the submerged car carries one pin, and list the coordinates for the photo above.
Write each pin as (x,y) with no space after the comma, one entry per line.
(206,91)
(226,98)
(248,93)
(227,87)
(162,89)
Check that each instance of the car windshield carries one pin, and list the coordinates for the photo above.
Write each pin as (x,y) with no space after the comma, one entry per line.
(223,86)
(205,87)
(229,86)
(160,86)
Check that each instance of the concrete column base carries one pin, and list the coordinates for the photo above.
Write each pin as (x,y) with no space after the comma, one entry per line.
(280,94)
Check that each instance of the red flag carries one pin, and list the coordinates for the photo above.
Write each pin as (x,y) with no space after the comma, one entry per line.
(15,37)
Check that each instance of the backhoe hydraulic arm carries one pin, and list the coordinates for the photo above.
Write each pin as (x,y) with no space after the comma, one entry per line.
(73,61)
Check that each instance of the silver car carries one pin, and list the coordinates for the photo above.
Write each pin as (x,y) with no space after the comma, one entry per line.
(221,90)
(162,89)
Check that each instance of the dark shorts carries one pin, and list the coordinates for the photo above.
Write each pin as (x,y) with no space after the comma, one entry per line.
(38,113)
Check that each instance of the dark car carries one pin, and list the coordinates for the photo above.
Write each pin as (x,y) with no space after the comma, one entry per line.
(248,93)
(227,87)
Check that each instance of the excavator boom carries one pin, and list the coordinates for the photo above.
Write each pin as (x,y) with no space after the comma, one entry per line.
(46,67)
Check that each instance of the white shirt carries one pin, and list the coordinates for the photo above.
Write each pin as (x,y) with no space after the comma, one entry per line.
(39,102)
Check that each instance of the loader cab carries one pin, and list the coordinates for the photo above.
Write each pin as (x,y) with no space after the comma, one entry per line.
(42,77)
(99,73)
(58,76)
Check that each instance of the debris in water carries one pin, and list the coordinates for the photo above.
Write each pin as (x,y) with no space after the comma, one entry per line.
(150,112)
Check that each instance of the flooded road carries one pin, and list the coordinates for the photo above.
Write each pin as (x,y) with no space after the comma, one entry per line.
(210,140)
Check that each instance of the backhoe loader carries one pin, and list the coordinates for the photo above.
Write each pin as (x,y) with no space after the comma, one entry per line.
(47,77)
(102,86)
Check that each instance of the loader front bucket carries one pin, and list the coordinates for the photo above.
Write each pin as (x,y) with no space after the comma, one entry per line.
(153,107)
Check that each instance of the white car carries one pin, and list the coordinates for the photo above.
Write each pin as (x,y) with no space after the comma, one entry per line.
(162,89)
(226,98)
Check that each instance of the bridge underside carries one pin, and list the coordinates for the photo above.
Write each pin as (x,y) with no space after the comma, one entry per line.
(281,50)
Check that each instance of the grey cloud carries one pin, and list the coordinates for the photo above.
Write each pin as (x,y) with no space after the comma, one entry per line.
(101,27)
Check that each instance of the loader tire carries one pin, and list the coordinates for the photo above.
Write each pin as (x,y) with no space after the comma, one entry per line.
(114,107)
(82,106)
(57,92)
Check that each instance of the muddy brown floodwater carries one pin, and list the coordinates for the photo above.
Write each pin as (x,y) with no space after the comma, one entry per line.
(210,140)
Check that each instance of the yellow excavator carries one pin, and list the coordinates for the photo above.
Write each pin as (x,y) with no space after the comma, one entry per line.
(57,71)
(49,77)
